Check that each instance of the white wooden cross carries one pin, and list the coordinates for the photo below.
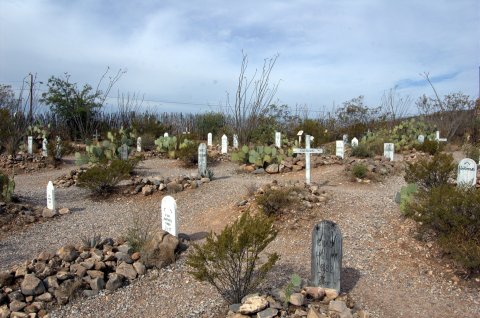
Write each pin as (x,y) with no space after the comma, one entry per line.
(307,151)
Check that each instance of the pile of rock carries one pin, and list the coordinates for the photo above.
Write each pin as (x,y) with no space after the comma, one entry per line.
(144,185)
(293,164)
(30,289)
(378,167)
(24,162)
(311,302)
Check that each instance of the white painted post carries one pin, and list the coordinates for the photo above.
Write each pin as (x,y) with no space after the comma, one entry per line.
(209,139)
(165,134)
(139,144)
(299,134)
(30,145)
(307,159)
(50,196)
(389,151)
(202,160)
(235,141)
(169,215)
(354,142)
(224,144)
(278,139)
(340,150)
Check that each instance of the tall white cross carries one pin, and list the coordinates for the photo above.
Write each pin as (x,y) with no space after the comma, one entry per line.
(307,151)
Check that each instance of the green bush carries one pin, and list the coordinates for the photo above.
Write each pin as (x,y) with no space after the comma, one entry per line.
(188,153)
(148,142)
(454,214)
(272,201)
(7,187)
(102,178)
(472,151)
(407,193)
(229,260)
(428,173)
(359,171)
(362,151)
(430,146)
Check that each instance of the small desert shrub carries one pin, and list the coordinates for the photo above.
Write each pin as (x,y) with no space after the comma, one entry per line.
(362,151)
(91,241)
(229,260)
(7,187)
(102,178)
(472,151)
(251,189)
(189,154)
(139,233)
(359,171)
(428,173)
(431,147)
(407,193)
(272,201)
(148,142)
(454,214)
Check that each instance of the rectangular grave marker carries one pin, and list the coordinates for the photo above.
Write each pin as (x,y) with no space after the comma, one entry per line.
(235,141)
(224,144)
(421,139)
(278,139)
(354,142)
(340,149)
(30,145)
(345,139)
(307,151)
(169,215)
(44,147)
(165,134)
(326,262)
(50,196)
(209,139)
(58,148)
(389,151)
(467,173)
(299,134)
(139,144)
(202,160)
(124,152)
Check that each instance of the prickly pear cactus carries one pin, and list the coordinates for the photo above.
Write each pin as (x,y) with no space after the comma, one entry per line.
(7,187)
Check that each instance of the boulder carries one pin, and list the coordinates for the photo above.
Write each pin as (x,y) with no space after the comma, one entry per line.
(160,250)
(127,271)
(64,211)
(273,168)
(97,283)
(148,190)
(68,253)
(32,286)
(17,305)
(6,278)
(139,268)
(114,282)
(252,305)
(47,213)
(297,299)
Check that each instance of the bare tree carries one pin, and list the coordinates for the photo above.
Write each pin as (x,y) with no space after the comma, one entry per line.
(252,98)
(127,106)
(454,111)
(13,117)
(394,105)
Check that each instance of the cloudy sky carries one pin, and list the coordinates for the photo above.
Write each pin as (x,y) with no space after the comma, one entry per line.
(189,52)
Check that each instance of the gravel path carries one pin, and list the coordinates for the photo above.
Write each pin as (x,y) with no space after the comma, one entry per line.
(385,269)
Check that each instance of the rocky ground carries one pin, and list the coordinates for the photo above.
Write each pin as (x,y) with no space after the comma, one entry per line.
(385,269)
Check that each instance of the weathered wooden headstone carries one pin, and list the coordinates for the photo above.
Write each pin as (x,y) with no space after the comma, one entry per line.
(139,144)
(202,160)
(169,215)
(58,148)
(224,144)
(235,141)
(437,137)
(389,150)
(345,139)
(340,149)
(421,139)
(165,134)
(354,142)
(326,263)
(307,151)
(30,145)
(44,147)
(209,139)
(278,139)
(124,152)
(50,196)
(467,173)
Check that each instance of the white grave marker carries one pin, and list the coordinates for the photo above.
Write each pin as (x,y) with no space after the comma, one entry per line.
(58,148)
(354,142)
(235,141)
(340,149)
(421,139)
(209,139)
(139,144)
(299,134)
(44,147)
(169,215)
(124,152)
(278,139)
(202,160)
(307,151)
(467,173)
(165,135)
(345,139)
(50,196)
(30,145)
(437,137)
(224,144)
(389,150)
